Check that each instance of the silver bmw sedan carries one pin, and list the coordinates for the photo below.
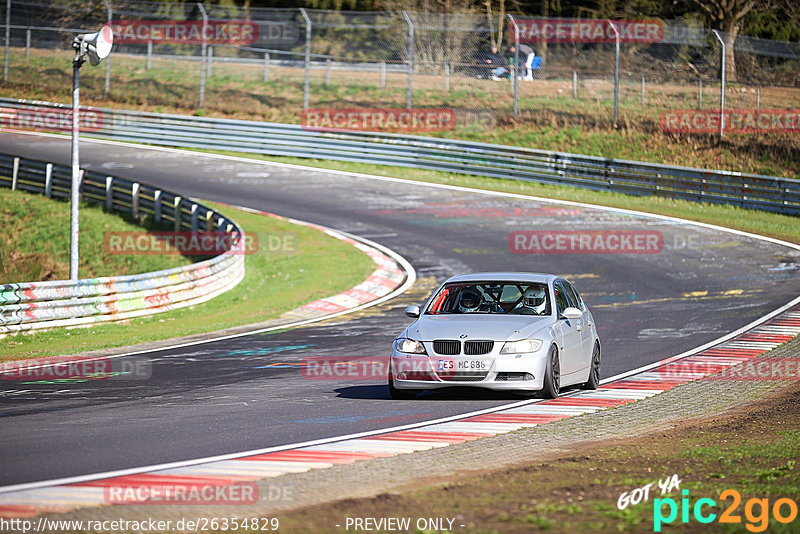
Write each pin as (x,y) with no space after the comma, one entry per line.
(503,331)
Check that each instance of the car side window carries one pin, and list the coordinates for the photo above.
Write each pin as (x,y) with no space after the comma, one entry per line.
(574,296)
(562,301)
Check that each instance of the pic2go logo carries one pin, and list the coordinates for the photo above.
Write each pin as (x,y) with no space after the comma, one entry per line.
(756,511)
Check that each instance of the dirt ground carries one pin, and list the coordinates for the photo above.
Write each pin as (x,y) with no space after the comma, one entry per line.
(751,450)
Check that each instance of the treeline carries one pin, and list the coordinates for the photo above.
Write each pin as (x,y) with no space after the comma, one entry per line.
(768,19)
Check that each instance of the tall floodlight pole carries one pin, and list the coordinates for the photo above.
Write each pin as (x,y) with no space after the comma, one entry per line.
(96,46)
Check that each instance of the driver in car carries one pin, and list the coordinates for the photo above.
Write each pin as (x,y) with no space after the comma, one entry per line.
(533,302)
(469,301)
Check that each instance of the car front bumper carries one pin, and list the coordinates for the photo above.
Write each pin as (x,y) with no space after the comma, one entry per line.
(507,372)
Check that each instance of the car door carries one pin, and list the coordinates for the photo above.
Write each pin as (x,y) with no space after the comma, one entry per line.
(568,332)
(586,330)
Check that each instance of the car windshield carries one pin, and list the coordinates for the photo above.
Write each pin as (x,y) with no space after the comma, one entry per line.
(517,298)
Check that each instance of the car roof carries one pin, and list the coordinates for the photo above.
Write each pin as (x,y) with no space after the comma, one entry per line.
(503,277)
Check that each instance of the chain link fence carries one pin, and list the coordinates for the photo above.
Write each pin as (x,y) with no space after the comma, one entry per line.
(283,64)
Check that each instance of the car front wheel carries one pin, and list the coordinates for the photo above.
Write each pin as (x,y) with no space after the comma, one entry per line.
(400,394)
(552,375)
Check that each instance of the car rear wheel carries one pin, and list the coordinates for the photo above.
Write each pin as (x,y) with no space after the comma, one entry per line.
(552,375)
(594,371)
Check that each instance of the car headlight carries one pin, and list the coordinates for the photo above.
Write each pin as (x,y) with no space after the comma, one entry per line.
(409,346)
(522,346)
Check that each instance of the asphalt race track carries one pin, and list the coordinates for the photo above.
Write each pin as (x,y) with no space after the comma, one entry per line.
(219,397)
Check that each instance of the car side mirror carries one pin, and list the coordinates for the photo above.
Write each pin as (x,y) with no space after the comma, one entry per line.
(412,311)
(571,313)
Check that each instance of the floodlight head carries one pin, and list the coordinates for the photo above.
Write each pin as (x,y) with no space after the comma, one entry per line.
(96,45)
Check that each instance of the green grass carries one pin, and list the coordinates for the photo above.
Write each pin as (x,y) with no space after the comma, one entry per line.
(275,282)
(759,222)
(35,244)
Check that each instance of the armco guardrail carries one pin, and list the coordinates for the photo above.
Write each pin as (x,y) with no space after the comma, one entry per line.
(37,305)
(769,193)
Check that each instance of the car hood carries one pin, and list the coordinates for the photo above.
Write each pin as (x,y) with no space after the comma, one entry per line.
(487,326)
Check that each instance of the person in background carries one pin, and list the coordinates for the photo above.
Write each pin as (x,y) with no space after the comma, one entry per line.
(526,55)
(496,63)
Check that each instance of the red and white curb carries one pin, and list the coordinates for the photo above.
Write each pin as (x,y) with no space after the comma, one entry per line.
(249,467)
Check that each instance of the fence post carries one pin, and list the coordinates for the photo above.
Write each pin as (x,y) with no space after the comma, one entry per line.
(616,73)
(107,85)
(307,56)
(109,193)
(48,180)
(28,42)
(157,205)
(327,72)
(574,84)
(149,55)
(643,82)
(722,88)
(209,221)
(210,59)
(700,97)
(383,75)
(203,56)
(266,66)
(410,59)
(8,39)
(14,174)
(515,68)
(447,76)
(758,99)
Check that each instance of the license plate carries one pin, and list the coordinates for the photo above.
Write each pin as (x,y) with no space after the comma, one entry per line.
(463,364)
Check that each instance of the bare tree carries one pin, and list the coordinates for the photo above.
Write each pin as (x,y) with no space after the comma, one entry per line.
(727,16)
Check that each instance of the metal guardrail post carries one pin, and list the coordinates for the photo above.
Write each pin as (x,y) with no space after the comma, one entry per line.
(135,200)
(28,43)
(15,174)
(203,56)
(722,87)
(109,193)
(8,39)
(107,85)
(194,217)
(149,55)
(48,180)
(447,77)
(410,59)
(209,60)
(307,57)
(515,71)
(176,207)
(266,66)
(383,75)
(616,72)
(157,206)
